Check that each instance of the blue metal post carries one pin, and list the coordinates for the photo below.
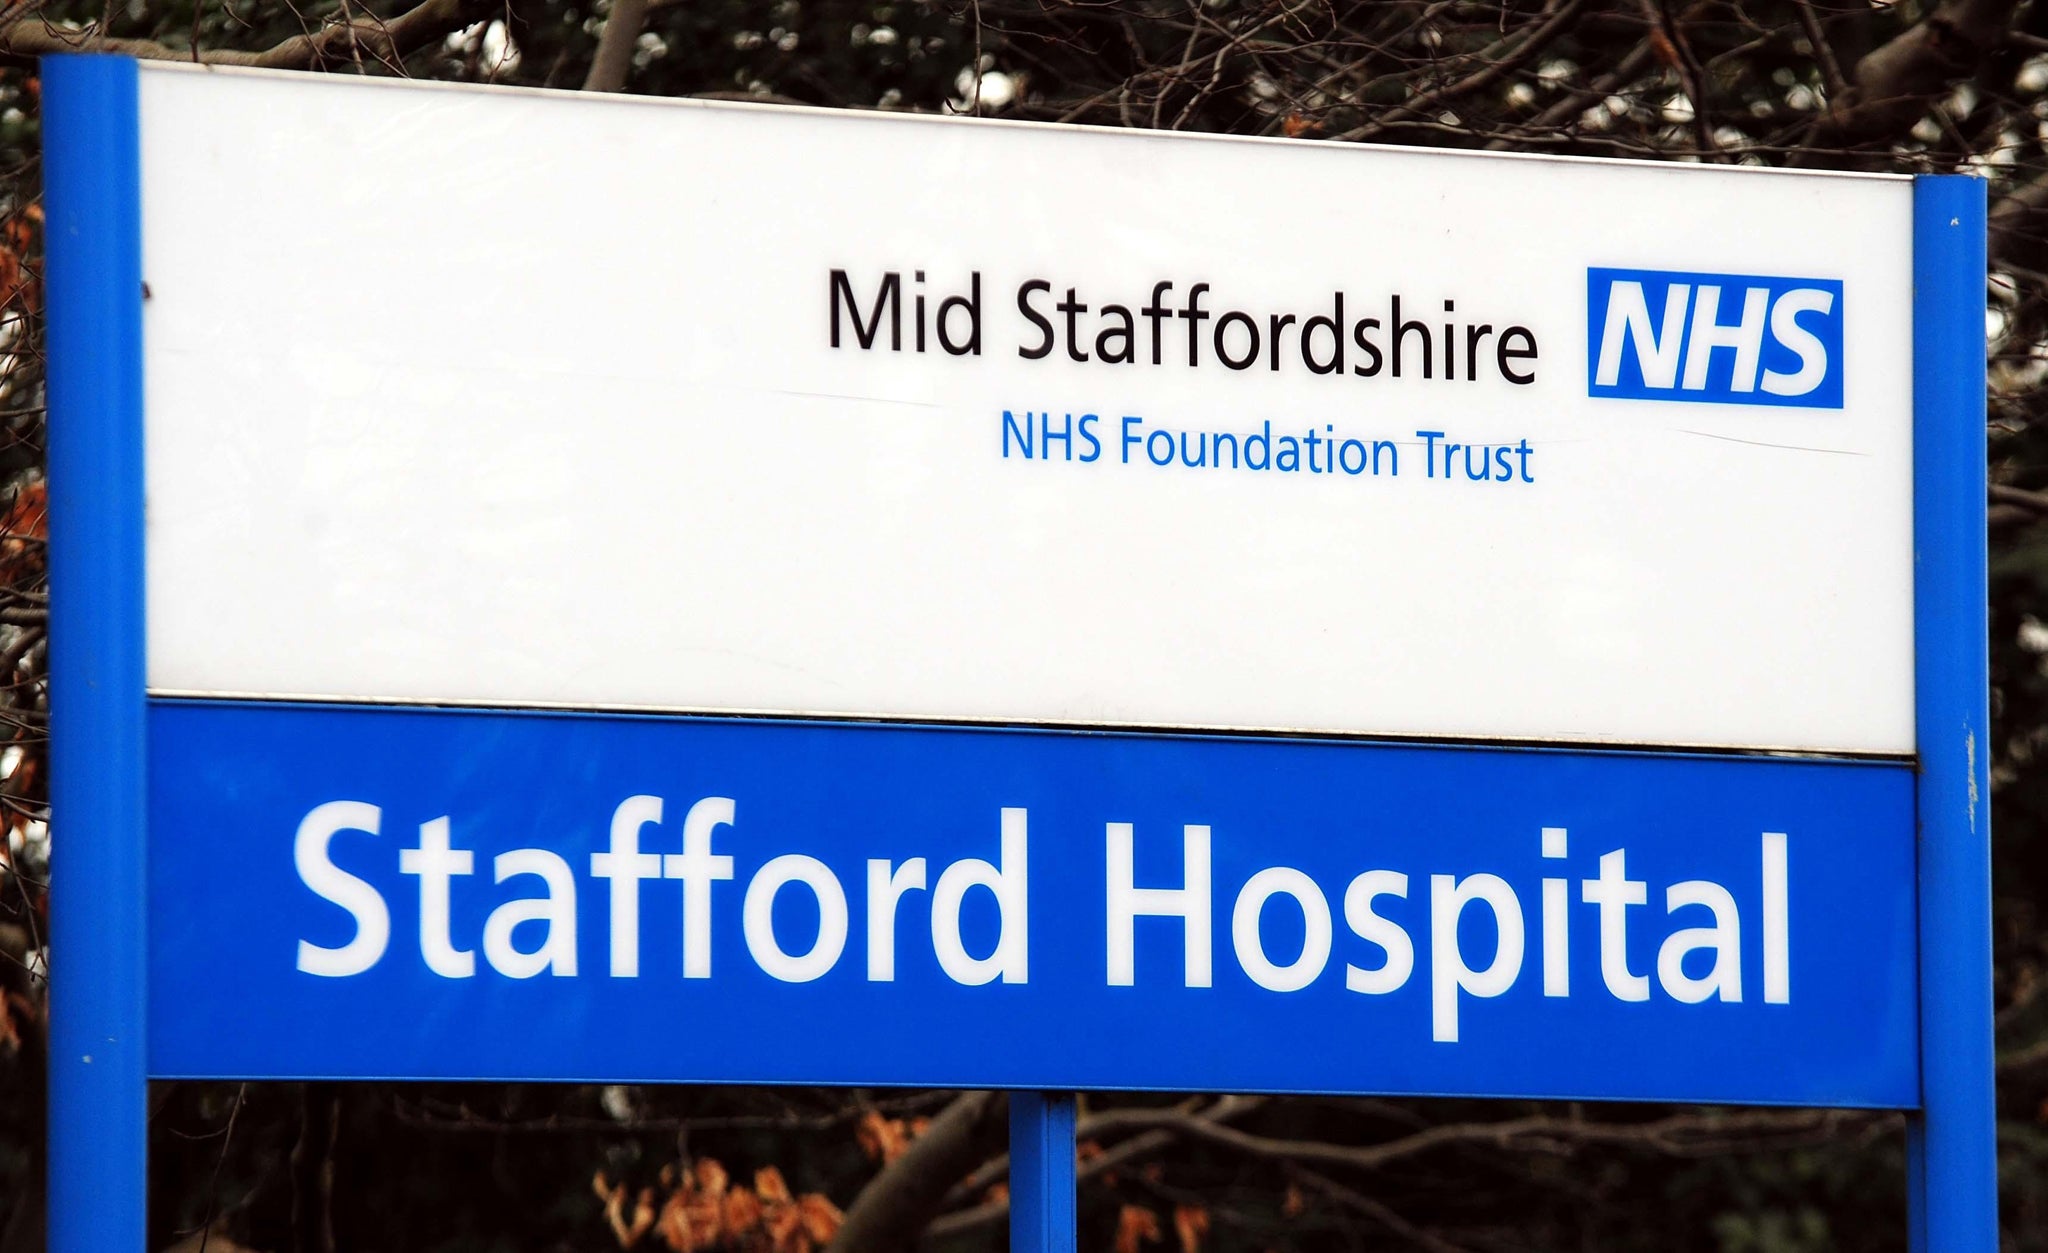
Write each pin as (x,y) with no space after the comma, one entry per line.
(1041,1172)
(93,240)
(1955,1161)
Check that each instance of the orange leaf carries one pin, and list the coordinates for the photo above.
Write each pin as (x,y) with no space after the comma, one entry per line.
(1134,1224)
(785,1229)
(29,512)
(706,1217)
(820,1217)
(627,1232)
(23,526)
(892,1136)
(614,1213)
(643,1218)
(882,1139)
(1662,44)
(1294,1204)
(712,1178)
(742,1213)
(769,1183)
(674,1225)
(1190,1224)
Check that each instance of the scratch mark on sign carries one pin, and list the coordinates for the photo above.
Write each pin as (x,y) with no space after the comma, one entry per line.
(1970,752)
(1761,443)
(872,400)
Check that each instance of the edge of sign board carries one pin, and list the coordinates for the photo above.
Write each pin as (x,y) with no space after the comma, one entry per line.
(1562,742)
(690,102)
(1604,748)
(957,1084)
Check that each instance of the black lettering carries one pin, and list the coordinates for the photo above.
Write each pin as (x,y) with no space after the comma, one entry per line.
(1155,313)
(1505,353)
(890,297)
(1279,323)
(1401,330)
(1073,308)
(1251,328)
(1194,313)
(1038,319)
(972,304)
(1372,351)
(1112,333)
(1473,336)
(1335,324)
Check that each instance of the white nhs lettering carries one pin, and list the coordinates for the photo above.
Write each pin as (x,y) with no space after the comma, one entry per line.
(1726,339)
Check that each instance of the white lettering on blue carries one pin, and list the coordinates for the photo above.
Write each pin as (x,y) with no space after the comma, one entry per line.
(1716,338)
(1478,938)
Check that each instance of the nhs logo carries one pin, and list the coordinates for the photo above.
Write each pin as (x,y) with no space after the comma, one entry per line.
(1730,339)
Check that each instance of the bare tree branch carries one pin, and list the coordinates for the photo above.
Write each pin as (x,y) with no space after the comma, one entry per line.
(1353,1199)
(2018,226)
(385,39)
(1136,1148)
(1683,1135)
(2035,501)
(2024,1059)
(897,1204)
(1679,1135)
(1893,86)
(614,59)
(1579,101)
(1823,51)
(1669,38)
(1512,56)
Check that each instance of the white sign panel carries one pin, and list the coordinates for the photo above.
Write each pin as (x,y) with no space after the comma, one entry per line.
(682,406)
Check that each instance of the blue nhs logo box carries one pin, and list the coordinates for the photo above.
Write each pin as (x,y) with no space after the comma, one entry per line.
(1729,339)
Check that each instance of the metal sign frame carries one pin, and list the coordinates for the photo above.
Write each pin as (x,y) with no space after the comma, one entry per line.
(98,1058)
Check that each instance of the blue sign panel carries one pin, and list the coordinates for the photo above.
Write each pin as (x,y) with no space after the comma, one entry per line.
(1731,339)
(371,891)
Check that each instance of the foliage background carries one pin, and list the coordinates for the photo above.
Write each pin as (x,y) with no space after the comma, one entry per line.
(1903,85)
